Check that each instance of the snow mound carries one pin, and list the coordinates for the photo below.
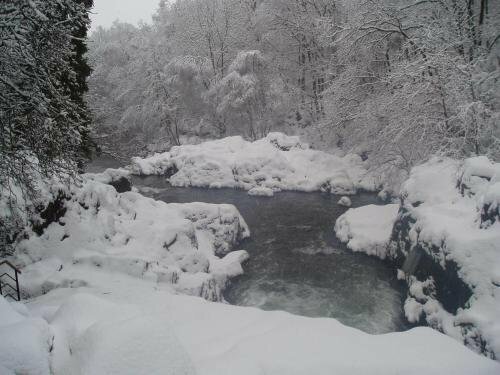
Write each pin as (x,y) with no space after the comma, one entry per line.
(367,229)
(95,336)
(100,229)
(25,342)
(277,162)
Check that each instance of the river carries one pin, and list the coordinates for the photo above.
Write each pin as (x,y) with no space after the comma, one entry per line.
(296,262)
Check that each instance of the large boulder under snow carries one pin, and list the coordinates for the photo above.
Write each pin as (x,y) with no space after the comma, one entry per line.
(276,162)
(441,221)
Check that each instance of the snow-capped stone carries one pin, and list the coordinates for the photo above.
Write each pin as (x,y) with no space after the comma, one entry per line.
(449,224)
(367,229)
(345,201)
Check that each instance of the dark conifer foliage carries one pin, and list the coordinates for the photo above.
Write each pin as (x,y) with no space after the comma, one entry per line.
(77,84)
(44,123)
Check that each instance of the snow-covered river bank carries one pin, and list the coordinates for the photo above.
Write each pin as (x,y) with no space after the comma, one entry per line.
(290,270)
(296,263)
(112,285)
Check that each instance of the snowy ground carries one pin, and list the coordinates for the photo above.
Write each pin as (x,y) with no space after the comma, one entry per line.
(455,208)
(104,282)
(131,326)
(277,162)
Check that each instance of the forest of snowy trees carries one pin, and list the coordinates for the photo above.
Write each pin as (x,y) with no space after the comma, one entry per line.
(394,80)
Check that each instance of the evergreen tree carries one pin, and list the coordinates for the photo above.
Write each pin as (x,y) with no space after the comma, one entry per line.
(43,120)
(77,85)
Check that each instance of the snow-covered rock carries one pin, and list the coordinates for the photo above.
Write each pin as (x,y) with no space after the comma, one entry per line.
(445,241)
(277,162)
(367,229)
(100,229)
(446,244)
(481,177)
(118,178)
(441,218)
(345,201)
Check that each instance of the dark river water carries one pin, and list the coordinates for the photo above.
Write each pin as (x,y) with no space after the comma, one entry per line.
(296,262)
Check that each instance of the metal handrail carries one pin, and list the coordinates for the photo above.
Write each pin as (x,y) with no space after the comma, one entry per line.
(15,279)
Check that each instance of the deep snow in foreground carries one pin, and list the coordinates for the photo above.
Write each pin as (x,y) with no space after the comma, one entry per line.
(453,214)
(277,162)
(130,326)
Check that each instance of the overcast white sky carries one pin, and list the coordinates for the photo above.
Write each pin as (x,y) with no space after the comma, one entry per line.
(132,11)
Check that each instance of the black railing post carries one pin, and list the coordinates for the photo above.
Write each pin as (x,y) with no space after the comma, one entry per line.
(15,279)
(17,287)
